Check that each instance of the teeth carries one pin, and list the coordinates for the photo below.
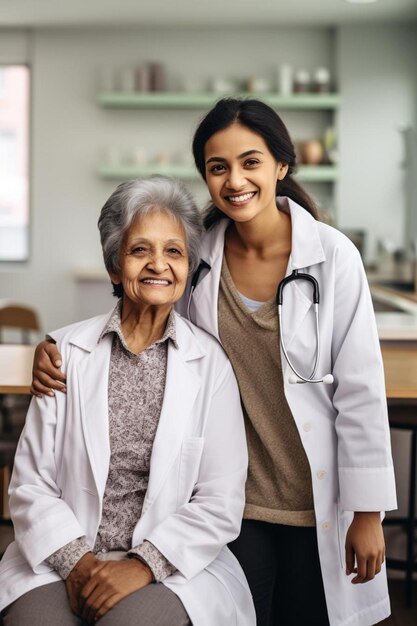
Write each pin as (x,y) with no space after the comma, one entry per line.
(242,198)
(154,281)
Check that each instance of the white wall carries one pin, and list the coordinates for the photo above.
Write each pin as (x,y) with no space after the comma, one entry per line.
(378,82)
(14,46)
(69,134)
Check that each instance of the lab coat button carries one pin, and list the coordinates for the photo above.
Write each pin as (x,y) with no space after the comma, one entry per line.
(321,474)
(307,427)
(326,525)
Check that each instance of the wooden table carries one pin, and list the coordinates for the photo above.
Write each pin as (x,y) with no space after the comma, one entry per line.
(15,368)
(400,365)
(15,377)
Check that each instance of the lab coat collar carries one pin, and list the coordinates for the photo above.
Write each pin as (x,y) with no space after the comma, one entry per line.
(306,246)
(86,336)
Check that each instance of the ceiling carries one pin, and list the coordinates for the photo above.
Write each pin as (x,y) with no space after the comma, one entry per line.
(53,13)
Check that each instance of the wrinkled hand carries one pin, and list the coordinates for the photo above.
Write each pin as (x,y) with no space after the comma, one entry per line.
(365,541)
(46,374)
(78,578)
(110,584)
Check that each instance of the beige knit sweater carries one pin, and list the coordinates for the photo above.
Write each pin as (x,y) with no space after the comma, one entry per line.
(278,489)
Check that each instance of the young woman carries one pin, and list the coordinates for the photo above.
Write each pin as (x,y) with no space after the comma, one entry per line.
(320,467)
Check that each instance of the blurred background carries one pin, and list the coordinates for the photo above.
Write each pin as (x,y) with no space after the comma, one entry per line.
(64,146)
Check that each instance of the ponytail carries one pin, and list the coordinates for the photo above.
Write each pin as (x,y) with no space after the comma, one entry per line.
(293,190)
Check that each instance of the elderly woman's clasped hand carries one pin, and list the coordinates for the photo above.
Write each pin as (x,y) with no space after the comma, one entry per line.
(94,586)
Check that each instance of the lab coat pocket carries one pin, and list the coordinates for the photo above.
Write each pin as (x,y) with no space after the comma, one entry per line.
(190,458)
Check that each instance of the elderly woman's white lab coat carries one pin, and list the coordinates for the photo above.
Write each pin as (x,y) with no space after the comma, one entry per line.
(343,427)
(195,497)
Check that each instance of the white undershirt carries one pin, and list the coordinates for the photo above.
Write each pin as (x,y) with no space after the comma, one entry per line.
(252,305)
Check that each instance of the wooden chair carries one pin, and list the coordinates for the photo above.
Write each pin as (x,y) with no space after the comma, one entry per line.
(21,318)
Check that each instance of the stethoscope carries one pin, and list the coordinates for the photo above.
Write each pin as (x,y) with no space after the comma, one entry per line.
(295,377)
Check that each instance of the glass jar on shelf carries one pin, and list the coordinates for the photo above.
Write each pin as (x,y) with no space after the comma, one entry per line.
(302,81)
(321,80)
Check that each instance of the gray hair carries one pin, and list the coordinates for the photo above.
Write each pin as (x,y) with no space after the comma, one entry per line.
(139,197)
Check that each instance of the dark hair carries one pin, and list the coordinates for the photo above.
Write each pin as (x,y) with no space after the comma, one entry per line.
(260,118)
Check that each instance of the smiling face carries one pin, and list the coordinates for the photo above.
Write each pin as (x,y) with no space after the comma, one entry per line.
(241,173)
(153,262)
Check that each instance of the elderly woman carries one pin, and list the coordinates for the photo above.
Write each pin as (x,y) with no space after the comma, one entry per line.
(136,476)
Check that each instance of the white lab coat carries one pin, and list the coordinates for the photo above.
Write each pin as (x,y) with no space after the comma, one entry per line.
(343,427)
(195,497)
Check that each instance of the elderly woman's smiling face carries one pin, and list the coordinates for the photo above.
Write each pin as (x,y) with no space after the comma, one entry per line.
(153,261)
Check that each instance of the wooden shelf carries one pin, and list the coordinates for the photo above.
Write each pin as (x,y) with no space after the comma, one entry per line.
(186,100)
(305,173)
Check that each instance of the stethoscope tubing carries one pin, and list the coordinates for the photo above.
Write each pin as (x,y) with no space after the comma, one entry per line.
(190,297)
(295,275)
(194,282)
(311,378)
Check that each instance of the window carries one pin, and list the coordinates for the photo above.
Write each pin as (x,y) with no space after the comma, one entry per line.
(14,162)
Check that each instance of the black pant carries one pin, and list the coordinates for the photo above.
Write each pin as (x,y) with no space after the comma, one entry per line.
(281,564)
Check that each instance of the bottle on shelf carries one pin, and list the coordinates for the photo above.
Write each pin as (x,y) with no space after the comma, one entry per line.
(285,79)
(321,80)
(302,81)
